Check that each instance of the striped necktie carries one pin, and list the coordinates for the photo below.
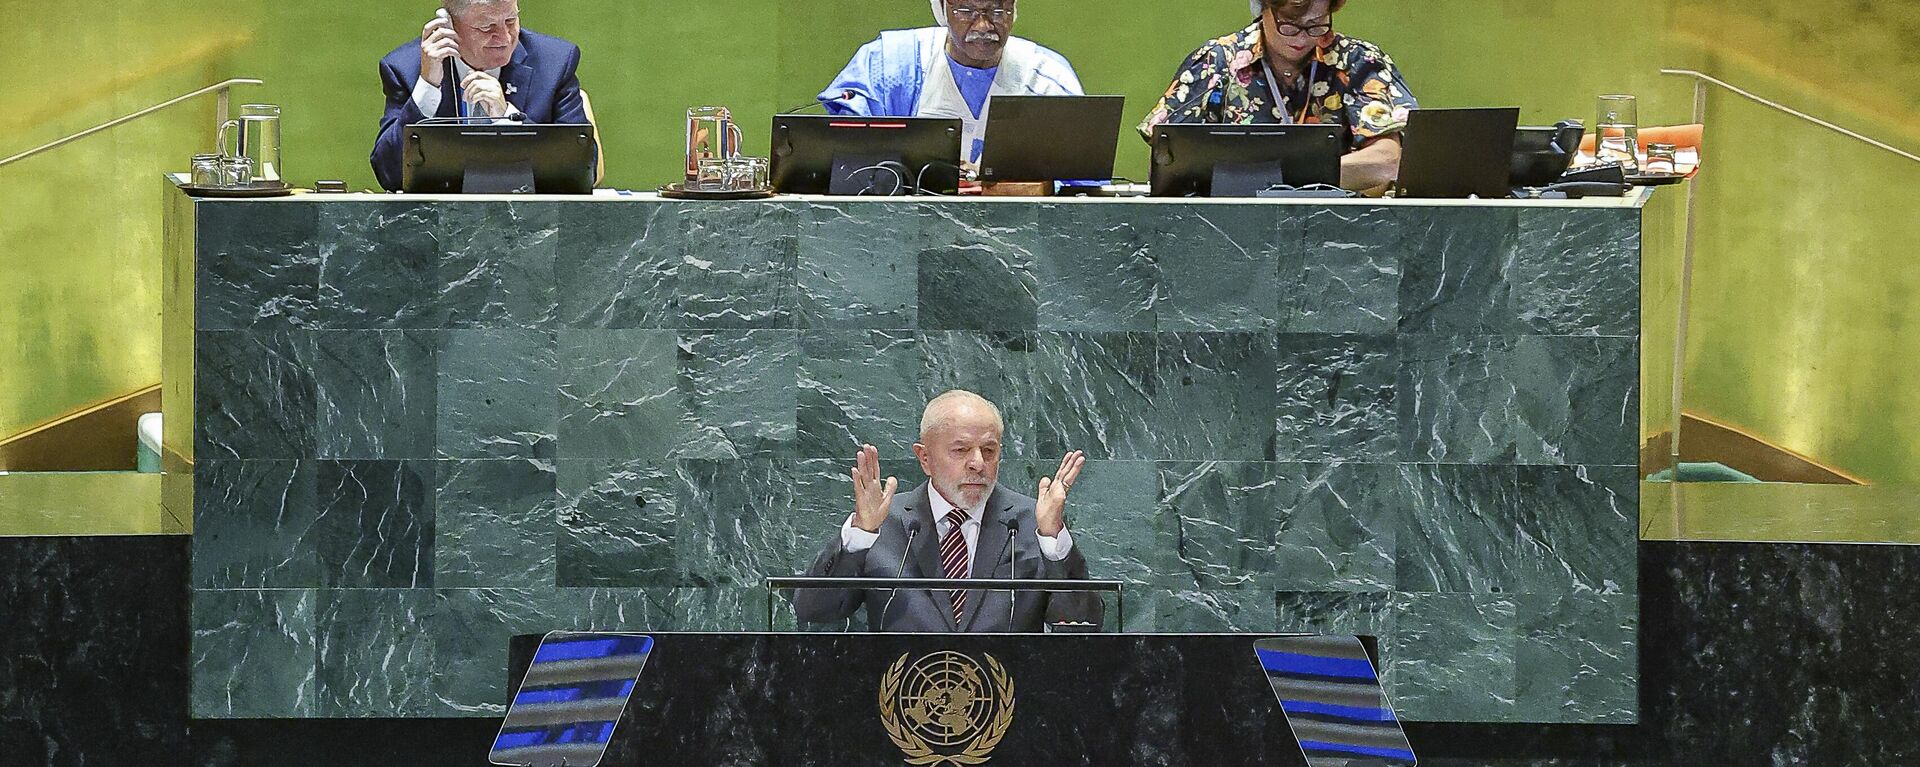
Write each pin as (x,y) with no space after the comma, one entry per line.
(953,558)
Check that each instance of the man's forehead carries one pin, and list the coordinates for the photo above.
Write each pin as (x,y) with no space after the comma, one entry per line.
(485,12)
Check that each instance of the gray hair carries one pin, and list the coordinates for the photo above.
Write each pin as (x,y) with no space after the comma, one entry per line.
(457,7)
(937,411)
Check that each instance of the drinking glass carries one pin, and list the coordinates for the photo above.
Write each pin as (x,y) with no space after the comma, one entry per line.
(1617,132)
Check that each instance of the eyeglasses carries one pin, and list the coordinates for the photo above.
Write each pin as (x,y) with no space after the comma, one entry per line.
(967,16)
(1289,30)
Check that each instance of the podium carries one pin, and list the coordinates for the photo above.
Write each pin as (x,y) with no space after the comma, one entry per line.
(1086,587)
(861,700)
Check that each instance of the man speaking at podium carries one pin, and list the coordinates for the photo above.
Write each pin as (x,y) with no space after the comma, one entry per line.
(960,523)
(500,70)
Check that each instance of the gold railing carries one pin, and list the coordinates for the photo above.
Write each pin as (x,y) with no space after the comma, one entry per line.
(221,90)
(1702,83)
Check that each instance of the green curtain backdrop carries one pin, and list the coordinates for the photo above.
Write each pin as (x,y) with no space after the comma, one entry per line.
(1802,285)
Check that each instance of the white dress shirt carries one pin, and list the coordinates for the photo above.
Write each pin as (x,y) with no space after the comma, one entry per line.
(856,540)
(427,97)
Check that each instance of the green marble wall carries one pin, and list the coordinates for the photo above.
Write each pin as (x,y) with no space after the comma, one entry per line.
(422,427)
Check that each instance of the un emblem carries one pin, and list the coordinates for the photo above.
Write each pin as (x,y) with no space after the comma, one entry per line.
(946,708)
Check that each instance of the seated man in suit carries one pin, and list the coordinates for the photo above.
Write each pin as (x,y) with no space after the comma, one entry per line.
(953,70)
(500,70)
(960,523)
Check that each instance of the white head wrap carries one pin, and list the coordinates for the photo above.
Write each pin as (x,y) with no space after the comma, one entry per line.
(940,11)
(1256,7)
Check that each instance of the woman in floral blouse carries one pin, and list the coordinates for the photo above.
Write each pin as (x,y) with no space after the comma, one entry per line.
(1289,66)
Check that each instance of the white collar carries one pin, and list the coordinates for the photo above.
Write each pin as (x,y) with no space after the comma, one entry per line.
(941,506)
(461,68)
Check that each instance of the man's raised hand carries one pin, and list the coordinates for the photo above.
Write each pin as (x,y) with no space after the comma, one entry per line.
(872,497)
(1050,513)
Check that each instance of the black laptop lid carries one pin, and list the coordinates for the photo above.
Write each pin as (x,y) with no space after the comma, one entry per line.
(1458,153)
(1050,138)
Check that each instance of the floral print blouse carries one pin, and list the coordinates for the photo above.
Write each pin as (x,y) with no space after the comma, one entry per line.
(1355,86)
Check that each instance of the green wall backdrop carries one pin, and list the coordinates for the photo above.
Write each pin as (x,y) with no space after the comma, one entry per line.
(1802,286)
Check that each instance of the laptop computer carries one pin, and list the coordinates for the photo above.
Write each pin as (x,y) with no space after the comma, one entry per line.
(1200,160)
(1050,138)
(1458,153)
(1330,692)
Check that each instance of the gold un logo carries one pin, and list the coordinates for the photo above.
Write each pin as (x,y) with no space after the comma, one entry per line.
(946,708)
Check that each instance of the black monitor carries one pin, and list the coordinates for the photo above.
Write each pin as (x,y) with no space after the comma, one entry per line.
(1198,160)
(499,159)
(1458,153)
(1051,138)
(831,154)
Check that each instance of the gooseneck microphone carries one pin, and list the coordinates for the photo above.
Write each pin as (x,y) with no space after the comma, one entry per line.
(845,95)
(1013,572)
(913,531)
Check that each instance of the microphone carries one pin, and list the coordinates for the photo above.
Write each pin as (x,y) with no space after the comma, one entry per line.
(845,95)
(913,531)
(1013,526)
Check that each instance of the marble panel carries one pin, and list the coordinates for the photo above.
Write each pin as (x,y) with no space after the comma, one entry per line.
(1577,529)
(253,394)
(1328,527)
(1454,656)
(1094,392)
(496,265)
(857,266)
(739,524)
(1095,270)
(375,526)
(1577,658)
(739,387)
(495,524)
(254,653)
(252,522)
(1219,266)
(617,523)
(1456,401)
(93,658)
(1337,398)
(1455,271)
(1213,397)
(376,394)
(1578,274)
(737,265)
(851,394)
(379,266)
(1158,610)
(1345,276)
(1458,528)
(1576,400)
(619,394)
(618,266)
(257,266)
(977,267)
(498,394)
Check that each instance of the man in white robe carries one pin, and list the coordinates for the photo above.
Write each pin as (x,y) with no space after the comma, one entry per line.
(950,71)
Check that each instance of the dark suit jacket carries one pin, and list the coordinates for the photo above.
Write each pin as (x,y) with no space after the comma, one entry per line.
(545,87)
(932,611)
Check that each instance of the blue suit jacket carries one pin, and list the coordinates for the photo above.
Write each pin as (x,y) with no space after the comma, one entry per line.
(544,85)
